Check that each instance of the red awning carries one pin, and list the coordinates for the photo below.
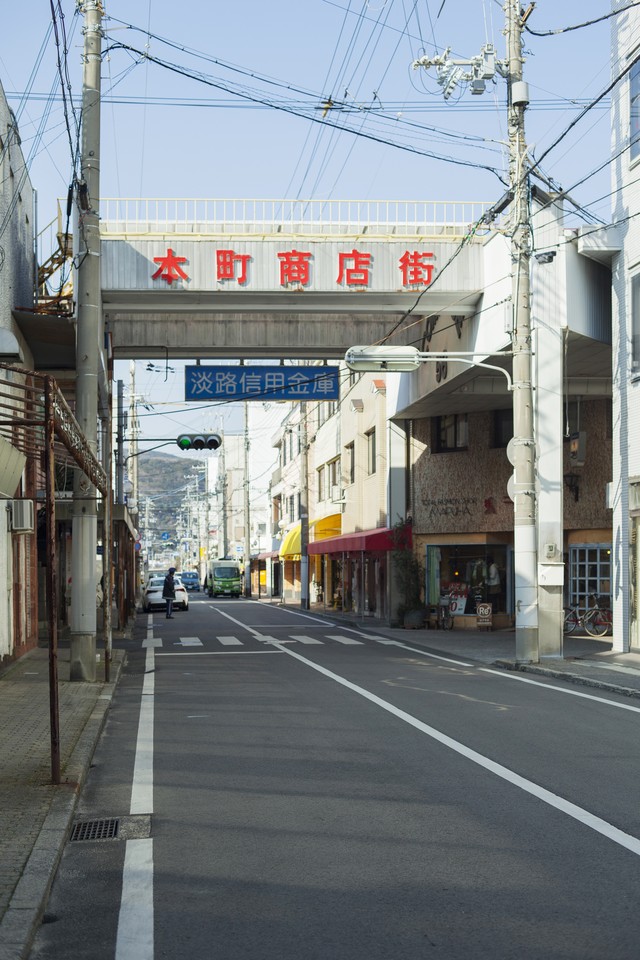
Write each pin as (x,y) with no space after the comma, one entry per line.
(267,556)
(369,540)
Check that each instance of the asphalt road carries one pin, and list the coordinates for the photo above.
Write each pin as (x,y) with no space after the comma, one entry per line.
(289,788)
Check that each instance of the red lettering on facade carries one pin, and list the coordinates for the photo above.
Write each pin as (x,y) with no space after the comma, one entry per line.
(294,267)
(170,268)
(357,273)
(416,269)
(226,261)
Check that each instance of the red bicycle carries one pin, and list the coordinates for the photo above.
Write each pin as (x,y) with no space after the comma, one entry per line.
(597,620)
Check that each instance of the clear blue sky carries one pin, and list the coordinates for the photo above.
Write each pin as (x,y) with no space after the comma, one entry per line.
(167,135)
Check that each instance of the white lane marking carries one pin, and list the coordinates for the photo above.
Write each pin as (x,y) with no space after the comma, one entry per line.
(217,653)
(151,642)
(229,641)
(528,786)
(190,641)
(135,922)
(423,653)
(134,939)
(346,640)
(142,786)
(303,639)
(552,686)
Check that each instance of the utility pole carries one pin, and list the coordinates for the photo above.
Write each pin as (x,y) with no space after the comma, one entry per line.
(88,340)
(524,530)
(304,509)
(480,69)
(247,506)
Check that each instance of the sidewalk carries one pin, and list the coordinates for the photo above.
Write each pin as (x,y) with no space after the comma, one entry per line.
(586,661)
(35,816)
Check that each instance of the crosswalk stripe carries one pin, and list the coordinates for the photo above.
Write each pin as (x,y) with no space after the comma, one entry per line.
(345,640)
(303,639)
(191,641)
(230,641)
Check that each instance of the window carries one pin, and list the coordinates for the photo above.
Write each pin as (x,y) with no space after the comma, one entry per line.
(350,457)
(320,481)
(334,472)
(451,433)
(370,439)
(283,452)
(291,507)
(634,130)
(502,427)
(635,324)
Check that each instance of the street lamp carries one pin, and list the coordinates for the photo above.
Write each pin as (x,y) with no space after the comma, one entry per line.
(407,359)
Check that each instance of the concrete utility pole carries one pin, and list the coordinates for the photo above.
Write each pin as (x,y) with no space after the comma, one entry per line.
(478,70)
(247,506)
(304,508)
(525,546)
(88,339)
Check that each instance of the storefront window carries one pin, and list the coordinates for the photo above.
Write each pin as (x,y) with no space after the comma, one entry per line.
(468,574)
(589,573)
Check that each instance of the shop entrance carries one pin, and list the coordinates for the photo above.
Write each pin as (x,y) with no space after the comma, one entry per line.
(469,574)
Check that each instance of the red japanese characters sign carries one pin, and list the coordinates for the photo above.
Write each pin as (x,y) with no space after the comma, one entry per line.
(355,268)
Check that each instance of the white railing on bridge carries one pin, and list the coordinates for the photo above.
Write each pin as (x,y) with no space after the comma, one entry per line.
(381,218)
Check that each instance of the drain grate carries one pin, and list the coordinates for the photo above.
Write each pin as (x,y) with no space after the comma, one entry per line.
(104,829)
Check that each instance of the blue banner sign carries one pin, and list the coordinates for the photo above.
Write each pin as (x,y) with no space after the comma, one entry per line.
(261,383)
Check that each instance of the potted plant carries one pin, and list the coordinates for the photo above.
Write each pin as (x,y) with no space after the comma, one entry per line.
(409,573)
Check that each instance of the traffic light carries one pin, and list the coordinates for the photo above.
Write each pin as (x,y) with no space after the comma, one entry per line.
(199,441)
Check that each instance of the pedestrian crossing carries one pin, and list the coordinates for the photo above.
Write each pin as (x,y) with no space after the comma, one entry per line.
(226,641)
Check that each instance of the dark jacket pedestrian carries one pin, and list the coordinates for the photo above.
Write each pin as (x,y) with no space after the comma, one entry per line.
(169,591)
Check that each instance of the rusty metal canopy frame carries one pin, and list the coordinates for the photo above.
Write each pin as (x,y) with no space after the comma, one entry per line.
(24,417)
(36,419)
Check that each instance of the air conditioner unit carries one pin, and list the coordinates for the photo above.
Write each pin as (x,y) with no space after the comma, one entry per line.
(22,516)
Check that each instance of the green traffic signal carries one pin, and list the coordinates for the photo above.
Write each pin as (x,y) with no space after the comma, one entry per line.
(199,441)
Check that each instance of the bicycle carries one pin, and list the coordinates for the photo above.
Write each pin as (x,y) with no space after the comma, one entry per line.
(445,618)
(597,620)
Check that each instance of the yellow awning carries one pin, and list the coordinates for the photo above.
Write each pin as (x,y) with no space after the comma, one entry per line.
(329,526)
(290,546)
(322,528)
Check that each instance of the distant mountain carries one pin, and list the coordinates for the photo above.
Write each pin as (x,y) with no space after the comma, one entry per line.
(163,480)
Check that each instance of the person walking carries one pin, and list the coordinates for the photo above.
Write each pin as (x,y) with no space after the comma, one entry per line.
(169,591)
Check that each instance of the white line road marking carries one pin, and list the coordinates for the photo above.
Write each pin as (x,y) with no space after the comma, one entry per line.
(134,939)
(528,786)
(151,642)
(346,640)
(190,641)
(423,653)
(552,686)
(302,639)
(142,786)
(135,922)
(229,641)
(217,653)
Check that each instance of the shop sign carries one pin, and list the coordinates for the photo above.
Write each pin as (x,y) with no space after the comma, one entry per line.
(484,612)
(355,268)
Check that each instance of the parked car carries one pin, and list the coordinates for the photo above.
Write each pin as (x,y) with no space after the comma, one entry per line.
(153,595)
(191,579)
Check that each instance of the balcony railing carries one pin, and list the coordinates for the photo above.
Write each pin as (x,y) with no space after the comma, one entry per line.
(322,218)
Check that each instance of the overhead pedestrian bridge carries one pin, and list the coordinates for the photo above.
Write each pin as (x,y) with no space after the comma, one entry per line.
(276,278)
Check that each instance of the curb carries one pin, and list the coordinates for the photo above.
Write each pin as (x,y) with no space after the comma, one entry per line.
(26,908)
(568,677)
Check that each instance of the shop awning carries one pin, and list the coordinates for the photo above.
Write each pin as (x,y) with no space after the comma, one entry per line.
(269,555)
(326,526)
(290,546)
(322,528)
(368,540)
